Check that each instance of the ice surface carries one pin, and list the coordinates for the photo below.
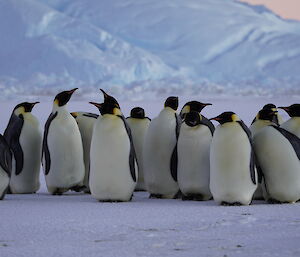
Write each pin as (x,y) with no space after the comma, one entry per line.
(208,46)
(77,225)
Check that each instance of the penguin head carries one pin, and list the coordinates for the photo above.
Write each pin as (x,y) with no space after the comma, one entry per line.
(137,113)
(172,102)
(226,117)
(270,106)
(63,98)
(108,99)
(192,106)
(24,107)
(192,118)
(108,108)
(267,114)
(292,110)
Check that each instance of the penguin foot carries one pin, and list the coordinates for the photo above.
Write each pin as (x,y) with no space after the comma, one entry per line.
(157,196)
(274,201)
(193,197)
(231,204)
(77,188)
(110,201)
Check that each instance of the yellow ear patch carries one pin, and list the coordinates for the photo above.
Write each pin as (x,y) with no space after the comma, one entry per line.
(56,101)
(186,109)
(117,111)
(20,110)
(234,117)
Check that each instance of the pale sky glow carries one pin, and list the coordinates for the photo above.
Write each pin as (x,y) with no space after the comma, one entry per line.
(285,8)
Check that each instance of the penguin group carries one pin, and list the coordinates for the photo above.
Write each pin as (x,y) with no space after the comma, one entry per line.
(175,155)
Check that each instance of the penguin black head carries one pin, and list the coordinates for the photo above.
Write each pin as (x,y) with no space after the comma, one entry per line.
(267,114)
(292,110)
(108,99)
(107,108)
(63,98)
(226,117)
(192,106)
(137,113)
(24,107)
(269,106)
(172,102)
(192,119)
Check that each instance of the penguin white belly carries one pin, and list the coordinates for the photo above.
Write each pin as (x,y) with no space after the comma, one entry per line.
(110,177)
(28,181)
(292,125)
(86,125)
(4,181)
(258,125)
(159,144)
(66,154)
(230,179)
(280,165)
(193,160)
(138,130)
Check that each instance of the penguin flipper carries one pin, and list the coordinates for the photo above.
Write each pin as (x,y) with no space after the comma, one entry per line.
(205,121)
(45,151)
(132,155)
(12,135)
(293,139)
(252,157)
(174,163)
(5,156)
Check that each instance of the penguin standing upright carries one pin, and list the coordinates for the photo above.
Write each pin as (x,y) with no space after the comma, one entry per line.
(278,154)
(85,122)
(113,171)
(193,157)
(139,124)
(265,117)
(293,124)
(24,137)
(160,163)
(62,148)
(5,166)
(233,178)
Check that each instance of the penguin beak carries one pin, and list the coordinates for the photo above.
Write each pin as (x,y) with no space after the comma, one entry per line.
(98,105)
(33,104)
(215,118)
(207,104)
(104,93)
(72,91)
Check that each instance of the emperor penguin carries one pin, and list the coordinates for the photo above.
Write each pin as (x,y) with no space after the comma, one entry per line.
(293,124)
(233,178)
(139,124)
(85,122)
(277,118)
(5,166)
(193,157)
(113,171)
(24,138)
(278,153)
(62,148)
(160,162)
(265,117)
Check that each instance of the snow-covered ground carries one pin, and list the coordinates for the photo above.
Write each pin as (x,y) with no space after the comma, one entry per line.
(77,225)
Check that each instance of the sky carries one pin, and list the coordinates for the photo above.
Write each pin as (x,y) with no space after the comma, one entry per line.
(285,8)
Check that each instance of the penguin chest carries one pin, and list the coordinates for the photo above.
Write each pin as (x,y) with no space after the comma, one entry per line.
(66,152)
(110,149)
(292,125)
(193,158)
(230,155)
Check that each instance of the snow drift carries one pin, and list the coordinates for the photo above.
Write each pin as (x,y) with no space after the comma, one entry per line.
(208,46)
